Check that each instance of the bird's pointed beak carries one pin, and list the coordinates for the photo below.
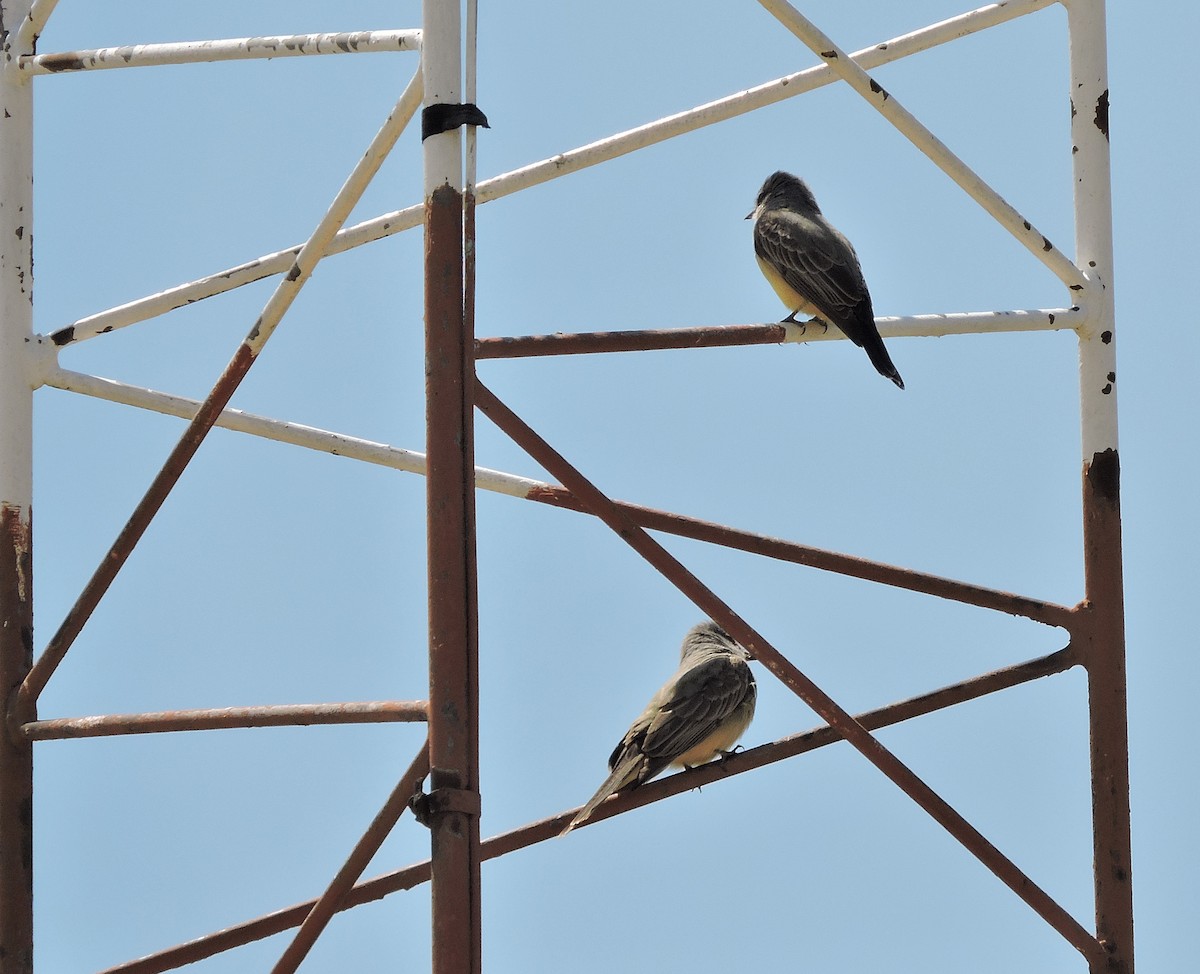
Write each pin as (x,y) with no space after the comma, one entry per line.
(750,215)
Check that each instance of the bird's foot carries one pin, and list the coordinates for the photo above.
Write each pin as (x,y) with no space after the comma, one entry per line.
(731,752)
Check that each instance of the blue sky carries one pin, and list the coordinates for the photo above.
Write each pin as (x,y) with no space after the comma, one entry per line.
(277,575)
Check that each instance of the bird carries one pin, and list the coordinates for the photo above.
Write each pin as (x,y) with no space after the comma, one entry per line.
(698,714)
(813,267)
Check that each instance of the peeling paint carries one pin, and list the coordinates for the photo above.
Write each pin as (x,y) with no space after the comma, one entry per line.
(1101,118)
(66,61)
(16,524)
(875,87)
(1103,474)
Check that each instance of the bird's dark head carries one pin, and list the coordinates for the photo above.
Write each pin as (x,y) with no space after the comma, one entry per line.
(782,189)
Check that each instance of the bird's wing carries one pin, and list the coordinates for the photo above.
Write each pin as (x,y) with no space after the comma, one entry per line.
(695,703)
(815,261)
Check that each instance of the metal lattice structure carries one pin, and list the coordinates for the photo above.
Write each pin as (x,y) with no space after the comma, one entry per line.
(451,809)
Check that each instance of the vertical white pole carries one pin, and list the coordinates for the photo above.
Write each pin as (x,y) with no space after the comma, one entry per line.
(16,494)
(1101,639)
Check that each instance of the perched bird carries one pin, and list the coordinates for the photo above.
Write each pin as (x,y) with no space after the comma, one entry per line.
(698,714)
(812,267)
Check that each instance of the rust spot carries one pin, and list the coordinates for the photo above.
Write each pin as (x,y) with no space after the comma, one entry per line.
(66,61)
(1102,114)
(20,232)
(1112,376)
(294,273)
(829,55)
(1106,337)
(1103,476)
(1074,149)
(878,90)
(1046,244)
(1091,263)
(1107,390)
(16,533)
(1028,225)
(64,336)
(1073,113)
(1052,319)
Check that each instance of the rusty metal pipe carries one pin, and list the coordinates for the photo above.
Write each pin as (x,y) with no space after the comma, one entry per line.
(450,515)
(1048,613)
(708,602)
(274,715)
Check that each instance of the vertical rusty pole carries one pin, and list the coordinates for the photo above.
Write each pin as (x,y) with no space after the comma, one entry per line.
(453,639)
(1103,640)
(16,494)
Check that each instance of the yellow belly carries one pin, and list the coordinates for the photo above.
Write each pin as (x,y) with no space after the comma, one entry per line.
(719,741)
(794,302)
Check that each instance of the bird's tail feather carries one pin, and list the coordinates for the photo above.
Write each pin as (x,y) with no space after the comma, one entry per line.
(622,775)
(878,354)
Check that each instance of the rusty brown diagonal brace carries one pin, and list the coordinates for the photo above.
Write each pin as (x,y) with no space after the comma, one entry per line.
(708,602)
(549,828)
(166,478)
(330,901)
(1047,613)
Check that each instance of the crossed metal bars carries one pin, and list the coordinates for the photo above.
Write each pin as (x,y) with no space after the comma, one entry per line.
(450,756)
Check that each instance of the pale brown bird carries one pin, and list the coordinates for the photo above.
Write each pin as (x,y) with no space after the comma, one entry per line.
(812,267)
(699,713)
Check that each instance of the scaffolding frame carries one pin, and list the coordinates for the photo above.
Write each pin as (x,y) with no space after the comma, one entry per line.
(449,758)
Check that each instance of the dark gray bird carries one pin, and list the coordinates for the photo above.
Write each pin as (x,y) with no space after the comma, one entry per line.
(812,267)
(698,714)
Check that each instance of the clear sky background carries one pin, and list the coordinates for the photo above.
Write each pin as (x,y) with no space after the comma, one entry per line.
(277,575)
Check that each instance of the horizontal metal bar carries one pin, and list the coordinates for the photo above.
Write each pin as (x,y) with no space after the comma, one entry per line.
(938,152)
(231,49)
(653,791)
(275,715)
(562,164)
(339,444)
(784,332)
